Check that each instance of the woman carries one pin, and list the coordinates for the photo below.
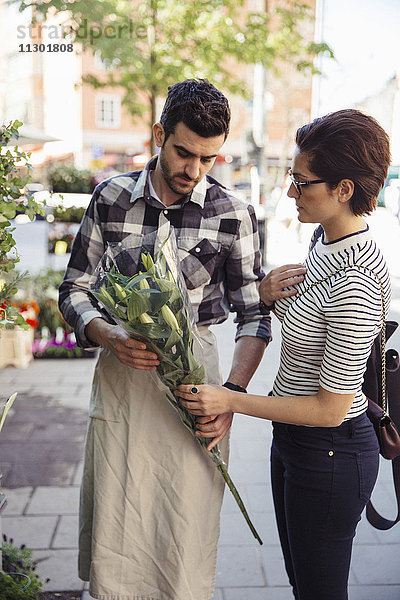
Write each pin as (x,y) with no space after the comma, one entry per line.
(324,457)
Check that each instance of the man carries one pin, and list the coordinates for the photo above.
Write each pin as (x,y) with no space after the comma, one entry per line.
(150,497)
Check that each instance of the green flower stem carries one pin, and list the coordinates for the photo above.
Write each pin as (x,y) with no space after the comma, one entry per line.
(220,464)
(223,470)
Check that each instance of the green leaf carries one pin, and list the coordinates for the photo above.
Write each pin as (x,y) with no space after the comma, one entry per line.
(137,305)
(150,330)
(158,300)
(6,408)
(173,339)
(135,280)
(196,377)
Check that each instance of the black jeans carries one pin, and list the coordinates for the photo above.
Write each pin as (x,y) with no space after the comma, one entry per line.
(322,478)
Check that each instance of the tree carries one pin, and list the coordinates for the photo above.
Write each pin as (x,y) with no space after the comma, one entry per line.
(12,179)
(156,43)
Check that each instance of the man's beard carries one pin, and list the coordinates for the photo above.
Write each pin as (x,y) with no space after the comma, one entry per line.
(178,188)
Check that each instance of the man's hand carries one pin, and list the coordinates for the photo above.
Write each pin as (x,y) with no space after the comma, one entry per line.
(129,351)
(214,427)
(273,285)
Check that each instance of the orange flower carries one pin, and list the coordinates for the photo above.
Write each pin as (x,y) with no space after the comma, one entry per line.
(35,306)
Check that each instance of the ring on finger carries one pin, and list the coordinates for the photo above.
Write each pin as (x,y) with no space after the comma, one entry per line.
(194,389)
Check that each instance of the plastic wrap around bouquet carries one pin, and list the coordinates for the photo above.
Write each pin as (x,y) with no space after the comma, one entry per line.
(148,298)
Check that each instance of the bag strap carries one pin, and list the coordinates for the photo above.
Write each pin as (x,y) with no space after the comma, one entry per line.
(373,517)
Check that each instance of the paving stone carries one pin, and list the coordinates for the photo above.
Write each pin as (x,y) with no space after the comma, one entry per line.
(259,497)
(365,533)
(249,471)
(61,567)
(19,431)
(391,536)
(246,428)
(374,592)
(385,472)
(73,432)
(78,474)
(274,567)
(254,449)
(50,451)
(236,532)
(376,564)
(41,452)
(54,500)
(384,499)
(239,566)
(35,532)
(79,401)
(274,593)
(17,500)
(34,474)
(66,535)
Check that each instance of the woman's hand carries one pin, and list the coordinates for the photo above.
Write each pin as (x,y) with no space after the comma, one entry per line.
(209,400)
(272,287)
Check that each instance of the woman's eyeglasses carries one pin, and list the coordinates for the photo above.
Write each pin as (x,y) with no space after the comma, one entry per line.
(298,184)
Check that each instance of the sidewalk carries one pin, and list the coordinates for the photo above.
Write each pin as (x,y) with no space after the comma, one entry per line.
(41,448)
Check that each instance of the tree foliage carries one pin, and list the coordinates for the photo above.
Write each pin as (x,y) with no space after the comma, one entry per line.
(148,45)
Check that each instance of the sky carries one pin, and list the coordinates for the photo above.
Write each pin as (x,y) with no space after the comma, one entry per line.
(365,36)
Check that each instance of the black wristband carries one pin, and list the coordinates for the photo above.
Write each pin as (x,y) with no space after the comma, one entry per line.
(235,387)
(266,307)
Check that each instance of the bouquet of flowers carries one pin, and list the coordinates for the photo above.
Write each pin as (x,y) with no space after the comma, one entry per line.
(152,305)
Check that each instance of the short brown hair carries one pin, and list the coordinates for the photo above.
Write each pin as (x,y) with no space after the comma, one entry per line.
(199,105)
(348,144)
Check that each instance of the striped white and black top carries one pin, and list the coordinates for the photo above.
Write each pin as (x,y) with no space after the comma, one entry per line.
(328,330)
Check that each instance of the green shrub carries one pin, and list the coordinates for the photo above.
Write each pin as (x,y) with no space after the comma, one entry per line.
(72,214)
(69,179)
(19,559)
(11,589)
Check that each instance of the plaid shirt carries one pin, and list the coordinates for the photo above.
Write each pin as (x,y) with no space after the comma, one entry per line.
(217,243)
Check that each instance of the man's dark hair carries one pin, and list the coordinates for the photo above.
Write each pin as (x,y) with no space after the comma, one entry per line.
(348,144)
(199,105)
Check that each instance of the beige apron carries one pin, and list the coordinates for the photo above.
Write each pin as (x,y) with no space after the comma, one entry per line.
(150,496)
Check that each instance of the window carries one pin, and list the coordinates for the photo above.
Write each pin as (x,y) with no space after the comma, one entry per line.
(108,111)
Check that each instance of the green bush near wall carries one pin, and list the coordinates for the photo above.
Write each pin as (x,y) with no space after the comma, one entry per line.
(69,179)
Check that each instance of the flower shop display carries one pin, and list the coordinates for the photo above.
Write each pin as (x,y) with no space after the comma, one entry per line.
(61,237)
(153,306)
(16,340)
(54,338)
(16,347)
